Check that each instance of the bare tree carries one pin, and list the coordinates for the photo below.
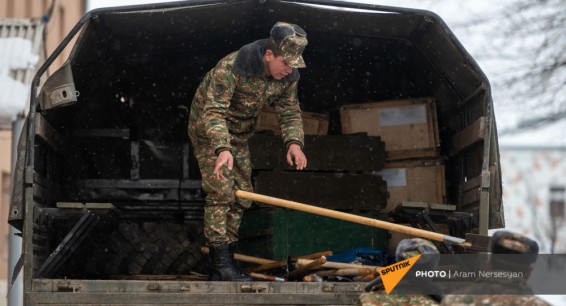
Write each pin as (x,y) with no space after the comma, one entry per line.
(528,40)
(521,45)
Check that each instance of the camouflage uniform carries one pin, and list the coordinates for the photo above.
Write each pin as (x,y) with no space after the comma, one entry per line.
(381,298)
(223,115)
(222,214)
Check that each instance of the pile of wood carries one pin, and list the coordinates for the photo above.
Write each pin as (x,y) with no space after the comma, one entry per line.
(309,268)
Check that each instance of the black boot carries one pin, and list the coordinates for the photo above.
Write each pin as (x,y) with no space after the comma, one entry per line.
(222,267)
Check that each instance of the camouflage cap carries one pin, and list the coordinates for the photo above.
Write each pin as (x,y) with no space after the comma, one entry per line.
(408,248)
(291,40)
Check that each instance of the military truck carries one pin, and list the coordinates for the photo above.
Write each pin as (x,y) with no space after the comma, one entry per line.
(107,191)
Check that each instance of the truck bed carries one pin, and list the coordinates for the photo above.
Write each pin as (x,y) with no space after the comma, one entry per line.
(144,292)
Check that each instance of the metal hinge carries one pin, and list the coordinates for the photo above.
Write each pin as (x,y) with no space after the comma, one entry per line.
(256,288)
(68,287)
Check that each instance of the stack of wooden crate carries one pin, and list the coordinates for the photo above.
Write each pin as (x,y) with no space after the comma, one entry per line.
(414,170)
(313,123)
(339,176)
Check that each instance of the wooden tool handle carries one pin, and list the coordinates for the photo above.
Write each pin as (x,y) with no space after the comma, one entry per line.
(282,263)
(339,265)
(302,270)
(244,258)
(314,255)
(345,272)
(348,217)
(267,266)
(266,277)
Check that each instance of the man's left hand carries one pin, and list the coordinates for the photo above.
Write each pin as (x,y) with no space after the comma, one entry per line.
(295,154)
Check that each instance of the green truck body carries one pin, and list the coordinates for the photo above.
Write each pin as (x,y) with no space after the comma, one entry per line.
(107,191)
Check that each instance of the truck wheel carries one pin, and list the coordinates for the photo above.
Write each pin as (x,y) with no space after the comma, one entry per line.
(149,248)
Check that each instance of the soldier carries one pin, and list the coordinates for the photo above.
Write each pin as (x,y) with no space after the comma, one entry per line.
(406,249)
(510,291)
(222,119)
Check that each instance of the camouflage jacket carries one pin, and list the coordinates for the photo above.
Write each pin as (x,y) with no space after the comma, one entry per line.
(231,96)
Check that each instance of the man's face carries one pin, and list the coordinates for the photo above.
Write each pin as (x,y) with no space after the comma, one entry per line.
(277,68)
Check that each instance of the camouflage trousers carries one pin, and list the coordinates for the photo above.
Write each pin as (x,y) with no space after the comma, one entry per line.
(222,211)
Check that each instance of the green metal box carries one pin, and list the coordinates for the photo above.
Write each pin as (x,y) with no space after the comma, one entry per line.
(275,233)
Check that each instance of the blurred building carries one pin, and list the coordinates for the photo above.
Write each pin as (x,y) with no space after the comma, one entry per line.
(534,191)
(29,31)
(58,16)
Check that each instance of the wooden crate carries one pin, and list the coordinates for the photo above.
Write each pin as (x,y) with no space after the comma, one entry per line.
(313,123)
(325,152)
(335,190)
(408,127)
(414,181)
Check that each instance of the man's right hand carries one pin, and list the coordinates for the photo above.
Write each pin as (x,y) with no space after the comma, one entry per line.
(225,157)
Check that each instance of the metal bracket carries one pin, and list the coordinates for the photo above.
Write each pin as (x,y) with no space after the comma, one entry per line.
(425,218)
(69,245)
(426,222)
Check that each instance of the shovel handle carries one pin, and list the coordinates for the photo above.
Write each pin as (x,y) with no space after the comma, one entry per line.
(348,217)
(242,257)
